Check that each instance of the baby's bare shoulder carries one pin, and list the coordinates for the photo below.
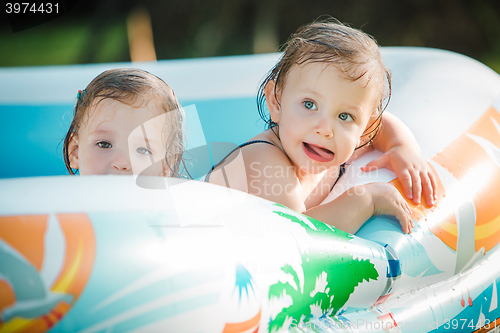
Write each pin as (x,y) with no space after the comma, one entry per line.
(260,157)
(254,155)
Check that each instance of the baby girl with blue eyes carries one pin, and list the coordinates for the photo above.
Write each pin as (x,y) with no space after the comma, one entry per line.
(325,99)
(127,121)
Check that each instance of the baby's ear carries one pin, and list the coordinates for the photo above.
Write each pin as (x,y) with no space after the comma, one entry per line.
(273,98)
(74,162)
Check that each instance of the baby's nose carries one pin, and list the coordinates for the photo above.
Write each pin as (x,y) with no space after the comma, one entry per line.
(121,163)
(324,128)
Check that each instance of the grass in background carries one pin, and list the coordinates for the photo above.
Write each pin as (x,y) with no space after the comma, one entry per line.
(491,60)
(115,44)
(493,63)
(62,45)
(77,42)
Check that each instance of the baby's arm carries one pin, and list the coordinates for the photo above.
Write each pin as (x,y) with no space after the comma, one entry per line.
(354,207)
(402,155)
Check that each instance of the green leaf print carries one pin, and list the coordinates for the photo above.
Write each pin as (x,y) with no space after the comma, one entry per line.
(328,256)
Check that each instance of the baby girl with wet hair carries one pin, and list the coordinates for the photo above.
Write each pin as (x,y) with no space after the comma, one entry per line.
(127,121)
(322,102)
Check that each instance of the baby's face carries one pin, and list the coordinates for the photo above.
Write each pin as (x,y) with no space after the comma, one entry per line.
(121,139)
(322,115)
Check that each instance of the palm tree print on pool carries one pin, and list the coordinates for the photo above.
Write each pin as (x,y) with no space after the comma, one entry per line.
(343,273)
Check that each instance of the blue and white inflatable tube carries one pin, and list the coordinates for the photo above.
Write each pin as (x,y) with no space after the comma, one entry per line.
(102,254)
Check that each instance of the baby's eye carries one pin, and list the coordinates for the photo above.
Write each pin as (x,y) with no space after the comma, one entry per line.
(345,117)
(310,105)
(104,145)
(144,151)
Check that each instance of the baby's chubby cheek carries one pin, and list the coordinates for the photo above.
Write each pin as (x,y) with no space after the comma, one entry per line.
(92,165)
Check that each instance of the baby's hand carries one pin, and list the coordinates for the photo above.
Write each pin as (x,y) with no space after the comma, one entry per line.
(412,171)
(388,201)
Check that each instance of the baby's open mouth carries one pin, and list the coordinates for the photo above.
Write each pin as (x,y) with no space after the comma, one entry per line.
(317,153)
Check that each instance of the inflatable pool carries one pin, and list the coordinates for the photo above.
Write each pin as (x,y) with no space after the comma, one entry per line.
(102,254)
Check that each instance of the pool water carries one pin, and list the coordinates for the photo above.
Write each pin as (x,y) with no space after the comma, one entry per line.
(31,144)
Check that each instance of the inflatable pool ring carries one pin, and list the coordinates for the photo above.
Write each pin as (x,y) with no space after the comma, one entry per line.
(100,253)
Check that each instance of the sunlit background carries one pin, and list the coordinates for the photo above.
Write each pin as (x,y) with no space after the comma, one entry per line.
(115,31)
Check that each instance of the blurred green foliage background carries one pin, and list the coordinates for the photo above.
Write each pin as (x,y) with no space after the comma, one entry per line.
(97,31)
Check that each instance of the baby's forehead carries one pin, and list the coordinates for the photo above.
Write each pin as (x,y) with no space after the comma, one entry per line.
(106,110)
(362,73)
(367,76)
(108,106)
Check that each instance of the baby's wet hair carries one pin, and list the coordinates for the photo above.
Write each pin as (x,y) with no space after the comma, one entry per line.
(353,52)
(134,87)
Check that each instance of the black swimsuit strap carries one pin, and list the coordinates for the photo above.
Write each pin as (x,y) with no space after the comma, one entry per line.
(207,177)
(341,173)
(251,142)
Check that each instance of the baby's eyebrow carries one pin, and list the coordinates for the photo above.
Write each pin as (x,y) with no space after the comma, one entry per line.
(308,90)
(147,139)
(352,107)
(102,131)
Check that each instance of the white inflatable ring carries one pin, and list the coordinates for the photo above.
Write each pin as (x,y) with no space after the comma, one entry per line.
(99,253)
